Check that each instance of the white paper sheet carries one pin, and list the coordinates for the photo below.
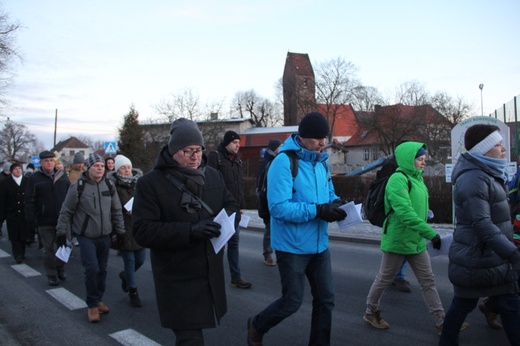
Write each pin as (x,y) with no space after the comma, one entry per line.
(244,220)
(227,224)
(445,246)
(64,251)
(353,215)
(128,206)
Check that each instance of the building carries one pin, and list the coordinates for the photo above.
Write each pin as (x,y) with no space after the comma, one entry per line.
(66,149)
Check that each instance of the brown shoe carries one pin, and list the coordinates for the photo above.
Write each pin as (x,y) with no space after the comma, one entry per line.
(254,338)
(269,261)
(491,317)
(93,315)
(103,309)
(402,285)
(240,283)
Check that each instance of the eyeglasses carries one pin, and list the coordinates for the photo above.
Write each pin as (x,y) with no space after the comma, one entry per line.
(190,152)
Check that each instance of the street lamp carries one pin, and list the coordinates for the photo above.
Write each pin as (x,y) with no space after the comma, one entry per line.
(481,86)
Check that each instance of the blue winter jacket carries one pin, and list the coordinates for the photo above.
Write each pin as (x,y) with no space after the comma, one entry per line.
(292,204)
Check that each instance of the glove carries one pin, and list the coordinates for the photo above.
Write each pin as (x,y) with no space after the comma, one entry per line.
(61,240)
(205,229)
(330,212)
(121,239)
(436,241)
(339,202)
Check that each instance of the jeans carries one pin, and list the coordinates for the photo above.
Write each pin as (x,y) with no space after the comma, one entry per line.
(508,306)
(293,271)
(94,256)
(232,255)
(268,251)
(50,261)
(401,274)
(133,260)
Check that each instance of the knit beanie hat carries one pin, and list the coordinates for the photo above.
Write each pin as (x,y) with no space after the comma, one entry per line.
(92,159)
(480,138)
(46,154)
(13,166)
(229,137)
(274,144)
(421,152)
(314,125)
(6,167)
(79,158)
(30,166)
(122,160)
(183,133)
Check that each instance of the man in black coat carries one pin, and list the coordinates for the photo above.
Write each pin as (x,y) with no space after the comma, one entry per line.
(45,193)
(172,214)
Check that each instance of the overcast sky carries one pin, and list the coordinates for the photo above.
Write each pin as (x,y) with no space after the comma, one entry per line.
(93,59)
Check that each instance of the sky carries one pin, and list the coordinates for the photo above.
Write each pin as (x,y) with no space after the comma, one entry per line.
(92,60)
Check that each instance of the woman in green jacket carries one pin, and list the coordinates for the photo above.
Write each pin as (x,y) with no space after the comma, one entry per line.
(405,231)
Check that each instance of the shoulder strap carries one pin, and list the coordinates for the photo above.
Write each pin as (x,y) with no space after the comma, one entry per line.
(293,161)
(81,187)
(110,185)
(179,185)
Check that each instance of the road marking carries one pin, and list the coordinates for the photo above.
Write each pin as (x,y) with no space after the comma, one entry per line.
(4,254)
(25,270)
(68,299)
(130,337)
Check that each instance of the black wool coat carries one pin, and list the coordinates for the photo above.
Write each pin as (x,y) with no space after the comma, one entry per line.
(12,198)
(188,275)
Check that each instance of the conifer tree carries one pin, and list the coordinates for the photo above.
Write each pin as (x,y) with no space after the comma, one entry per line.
(131,141)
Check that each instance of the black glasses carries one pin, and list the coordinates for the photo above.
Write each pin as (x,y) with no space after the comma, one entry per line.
(190,152)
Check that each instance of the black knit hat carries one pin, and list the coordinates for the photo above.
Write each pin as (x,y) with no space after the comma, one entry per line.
(314,125)
(274,144)
(229,137)
(13,166)
(476,133)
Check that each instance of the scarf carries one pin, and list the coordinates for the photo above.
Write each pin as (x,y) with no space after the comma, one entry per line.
(498,165)
(126,180)
(17,180)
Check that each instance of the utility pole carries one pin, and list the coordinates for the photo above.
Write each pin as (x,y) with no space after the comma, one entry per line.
(55,127)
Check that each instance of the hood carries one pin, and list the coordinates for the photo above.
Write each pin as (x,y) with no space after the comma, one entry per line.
(405,156)
(293,144)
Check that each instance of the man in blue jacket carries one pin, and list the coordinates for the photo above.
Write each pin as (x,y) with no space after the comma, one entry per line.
(300,211)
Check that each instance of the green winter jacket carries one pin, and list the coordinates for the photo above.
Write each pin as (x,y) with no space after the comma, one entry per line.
(406,227)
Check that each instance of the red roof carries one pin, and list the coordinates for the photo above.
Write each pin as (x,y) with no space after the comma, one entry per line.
(345,124)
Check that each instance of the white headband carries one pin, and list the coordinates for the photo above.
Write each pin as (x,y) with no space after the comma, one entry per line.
(486,144)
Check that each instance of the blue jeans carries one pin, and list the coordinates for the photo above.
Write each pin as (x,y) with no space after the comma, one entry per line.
(508,305)
(133,260)
(94,256)
(401,274)
(293,271)
(232,255)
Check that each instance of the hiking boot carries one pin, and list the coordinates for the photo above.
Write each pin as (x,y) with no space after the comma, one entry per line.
(93,315)
(375,320)
(464,326)
(254,338)
(53,280)
(269,261)
(61,273)
(240,283)
(491,317)
(124,284)
(103,309)
(134,298)
(402,285)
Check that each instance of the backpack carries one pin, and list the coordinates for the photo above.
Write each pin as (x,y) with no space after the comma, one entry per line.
(81,187)
(261,189)
(374,203)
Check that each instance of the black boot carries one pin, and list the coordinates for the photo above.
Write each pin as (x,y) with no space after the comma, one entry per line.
(134,298)
(124,284)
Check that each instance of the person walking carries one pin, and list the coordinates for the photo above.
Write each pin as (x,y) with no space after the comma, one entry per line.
(92,210)
(300,211)
(226,160)
(261,193)
(484,261)
(173,211)
(12,210)
(77,167)
(125,178)
(45,193)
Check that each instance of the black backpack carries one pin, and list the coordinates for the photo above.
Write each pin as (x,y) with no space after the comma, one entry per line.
(374,204)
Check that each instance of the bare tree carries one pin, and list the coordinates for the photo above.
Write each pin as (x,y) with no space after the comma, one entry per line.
(412,93)
(336,82)
(16,142)
(93,143)
(184,104)
(8,51)
(453,109)
(262,111)
(365,98)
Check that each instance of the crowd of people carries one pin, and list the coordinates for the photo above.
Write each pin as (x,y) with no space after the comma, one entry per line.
(171,211)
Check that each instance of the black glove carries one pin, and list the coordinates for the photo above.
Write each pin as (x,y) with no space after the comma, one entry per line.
(121,239)
(436,241)
(330,212)
(205,229)
(339,202)
(61,240)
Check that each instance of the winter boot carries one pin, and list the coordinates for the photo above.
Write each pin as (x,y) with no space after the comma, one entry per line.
(134,298)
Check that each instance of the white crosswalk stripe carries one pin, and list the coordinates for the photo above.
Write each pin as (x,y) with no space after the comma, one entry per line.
(4,254)
(25,270)
(66,298)
(130,337)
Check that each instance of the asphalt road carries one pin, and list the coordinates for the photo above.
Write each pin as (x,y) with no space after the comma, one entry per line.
(30,313)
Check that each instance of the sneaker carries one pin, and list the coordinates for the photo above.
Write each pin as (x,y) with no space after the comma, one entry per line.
(124,284)
(240,283)
(491,317)
(93,315)
(375,320)
(269,261)
(402,285)
(102,308)
(464,326)
(254,338)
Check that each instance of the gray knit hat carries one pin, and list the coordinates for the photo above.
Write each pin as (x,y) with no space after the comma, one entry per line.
(183,133)
(93,158)
(79,158)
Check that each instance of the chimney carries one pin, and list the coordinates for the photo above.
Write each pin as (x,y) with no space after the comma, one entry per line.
(213,116)
(377,108)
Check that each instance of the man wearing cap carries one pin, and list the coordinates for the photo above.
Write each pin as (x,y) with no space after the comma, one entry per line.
(45,193)
(92,211)
(173,211)
(77,167)
(226,160)
(12,195)
(301,209)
